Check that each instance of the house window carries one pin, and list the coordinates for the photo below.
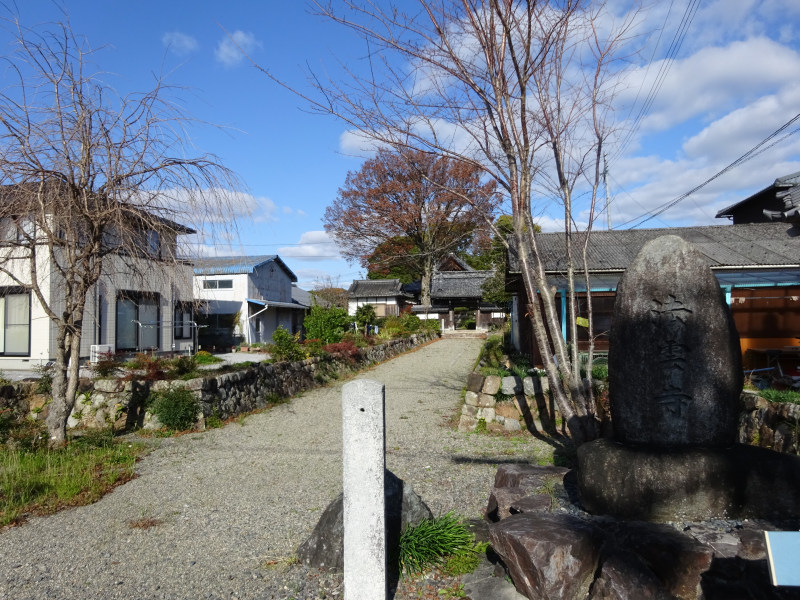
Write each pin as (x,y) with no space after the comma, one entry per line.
(153,243)
(15,322)
(138,326)
(218,284)
(182,321)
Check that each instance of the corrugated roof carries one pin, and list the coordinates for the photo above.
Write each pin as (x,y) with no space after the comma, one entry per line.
(374,288)
(237,265)
(746,245)
(458,284)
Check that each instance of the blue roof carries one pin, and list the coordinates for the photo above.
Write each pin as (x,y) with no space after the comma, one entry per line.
(235,265)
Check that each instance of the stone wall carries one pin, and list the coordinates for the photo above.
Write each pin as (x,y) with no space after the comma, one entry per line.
(504,403)
(769,424)
(226,395)
(511,404)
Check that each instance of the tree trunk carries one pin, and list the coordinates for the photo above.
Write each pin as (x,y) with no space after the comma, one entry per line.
(427,281)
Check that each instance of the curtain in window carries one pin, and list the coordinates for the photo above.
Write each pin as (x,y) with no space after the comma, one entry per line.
(17,324)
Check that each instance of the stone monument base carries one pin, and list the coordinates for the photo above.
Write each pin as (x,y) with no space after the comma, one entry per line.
(691,483)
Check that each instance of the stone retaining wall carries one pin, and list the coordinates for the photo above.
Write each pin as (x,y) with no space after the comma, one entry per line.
(769,424)
(122,402)
(511,404)
(503,403)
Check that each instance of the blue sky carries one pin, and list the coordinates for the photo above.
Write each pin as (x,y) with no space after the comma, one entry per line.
(735,79)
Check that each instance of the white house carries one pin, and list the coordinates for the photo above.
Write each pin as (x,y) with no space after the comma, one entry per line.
(386,295)
(139,303)
(244,299)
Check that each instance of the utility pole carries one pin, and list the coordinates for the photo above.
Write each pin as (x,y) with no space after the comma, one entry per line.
(605,190)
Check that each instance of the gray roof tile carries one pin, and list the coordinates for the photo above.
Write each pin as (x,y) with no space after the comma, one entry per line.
(754,244)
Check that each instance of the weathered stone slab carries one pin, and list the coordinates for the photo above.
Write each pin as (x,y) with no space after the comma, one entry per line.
(548,556)
(470,410)
(471,398)
(512,385)
(528,504)
(678,560)
(625,576)
(474,382)
(510,424)
(491,385)
(467,423)
(486,401)
(674,361)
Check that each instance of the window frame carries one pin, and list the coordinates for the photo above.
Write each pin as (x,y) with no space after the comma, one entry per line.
(137,297)
(5,292)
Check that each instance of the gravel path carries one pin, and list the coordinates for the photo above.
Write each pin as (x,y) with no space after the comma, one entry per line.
(229,507)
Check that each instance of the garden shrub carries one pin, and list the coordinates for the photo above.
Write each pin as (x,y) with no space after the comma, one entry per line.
(184,364)
(365,315)
(286,346)
(326,324)
(346,348)
(176,408)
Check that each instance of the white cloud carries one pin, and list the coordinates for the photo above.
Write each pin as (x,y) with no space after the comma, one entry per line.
(232,48)
(312,246)
(179,43)
(714,80)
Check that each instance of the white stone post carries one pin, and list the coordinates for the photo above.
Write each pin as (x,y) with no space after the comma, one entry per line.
(364,460)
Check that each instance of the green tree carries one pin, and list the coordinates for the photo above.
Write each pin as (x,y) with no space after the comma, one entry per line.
(326,324)
(365,315)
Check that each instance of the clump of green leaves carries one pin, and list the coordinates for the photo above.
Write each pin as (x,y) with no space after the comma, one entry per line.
(286,346)
(176,408)
(326,324)
(774,395)
(435,543)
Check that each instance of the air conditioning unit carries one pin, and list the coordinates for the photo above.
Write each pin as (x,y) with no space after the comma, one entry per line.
(98,352)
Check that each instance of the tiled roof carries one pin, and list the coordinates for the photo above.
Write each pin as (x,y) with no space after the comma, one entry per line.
(782,186)
(375,288)
(458,284)
(748,245)
(236,265)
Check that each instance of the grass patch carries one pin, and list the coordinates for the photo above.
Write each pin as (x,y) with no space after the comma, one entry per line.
(444,543)
(43,481)
(773,395)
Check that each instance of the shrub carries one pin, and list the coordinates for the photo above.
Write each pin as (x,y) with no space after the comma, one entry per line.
(45,383)
(410,323)
(365,315)
(184,364)
(175,408)
(313,347)
(432,542)
(600,372)
(346,348)
(106,365)
(326,324)
(286,346)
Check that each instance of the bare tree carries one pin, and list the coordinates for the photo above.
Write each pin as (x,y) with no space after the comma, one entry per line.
(520,89)
(93,185)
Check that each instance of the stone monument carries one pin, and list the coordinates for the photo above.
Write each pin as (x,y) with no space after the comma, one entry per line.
(675,381)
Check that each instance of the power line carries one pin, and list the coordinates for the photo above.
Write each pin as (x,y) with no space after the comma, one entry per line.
(666,65)
(750,154)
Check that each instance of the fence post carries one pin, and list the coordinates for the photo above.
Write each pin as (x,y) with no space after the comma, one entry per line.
(364,463)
